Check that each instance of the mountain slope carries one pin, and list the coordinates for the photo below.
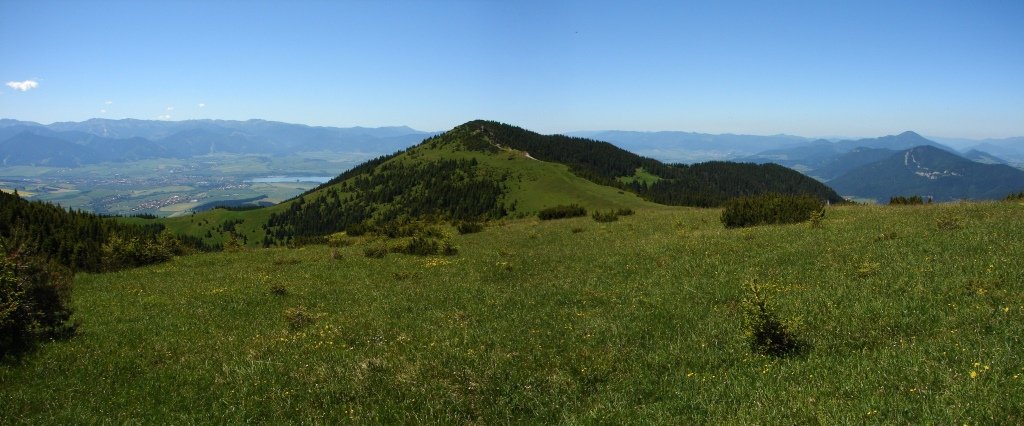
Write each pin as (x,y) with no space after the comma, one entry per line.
(688,147)
(843,163)
(818,157)
(486,170)
(27,148)
(930,171)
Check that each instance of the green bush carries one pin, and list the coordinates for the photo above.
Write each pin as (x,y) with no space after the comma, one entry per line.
(375,251)
(561,212)
(298,318)
(769,209)
(1019,196)
(33,302)
(625,212)
(605,216)
(469,227)
(119,253)
(767,334)
(907,201)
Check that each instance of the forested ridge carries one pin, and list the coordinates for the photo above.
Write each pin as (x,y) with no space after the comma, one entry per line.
(700,185)
(83,241)
(426,183)
(439,189)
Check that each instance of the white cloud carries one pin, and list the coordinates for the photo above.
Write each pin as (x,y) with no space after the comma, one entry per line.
(103,111)
(108,102)
(202,105)
(163,117)
(23,86)
(170,108)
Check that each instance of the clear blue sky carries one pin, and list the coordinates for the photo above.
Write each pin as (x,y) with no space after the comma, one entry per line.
(853,68)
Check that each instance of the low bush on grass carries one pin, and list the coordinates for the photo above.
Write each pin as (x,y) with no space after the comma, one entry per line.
(611,215)
(120,253)
(33,302)
(907,201)
(767,334)
(605,216)
(376,251)
(278,289)
(298,318)
(949,223)
(427,246)
(1019,196)
(769,209)
(469,227)
(562,212)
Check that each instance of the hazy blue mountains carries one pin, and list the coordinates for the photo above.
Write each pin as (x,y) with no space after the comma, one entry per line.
(930,172)
(69,144)
(687,147)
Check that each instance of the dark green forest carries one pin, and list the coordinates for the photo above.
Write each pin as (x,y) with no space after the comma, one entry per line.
(699,185)
(454,190)
(84,241)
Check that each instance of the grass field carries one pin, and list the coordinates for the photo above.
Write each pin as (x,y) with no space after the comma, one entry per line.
(910,315)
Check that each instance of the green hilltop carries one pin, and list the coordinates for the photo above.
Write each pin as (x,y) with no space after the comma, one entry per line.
(485,170)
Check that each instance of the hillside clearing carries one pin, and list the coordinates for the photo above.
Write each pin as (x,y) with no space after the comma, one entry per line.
(912,315)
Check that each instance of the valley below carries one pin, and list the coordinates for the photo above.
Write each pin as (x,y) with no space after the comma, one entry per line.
(173,187)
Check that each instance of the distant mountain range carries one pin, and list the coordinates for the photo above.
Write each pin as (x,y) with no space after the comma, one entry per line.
(900,165)
(70,144)
(861,168)
(687,147)
(930,172)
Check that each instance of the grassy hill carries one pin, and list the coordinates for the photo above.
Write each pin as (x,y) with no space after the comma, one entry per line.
(486,170)
(909,315)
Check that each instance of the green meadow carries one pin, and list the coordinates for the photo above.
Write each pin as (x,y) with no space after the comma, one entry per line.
(906,315)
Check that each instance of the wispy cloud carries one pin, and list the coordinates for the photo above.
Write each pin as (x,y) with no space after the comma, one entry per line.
(23,86)
(108,102)
(103,111)
(163,117)
(170,108)
(202,105)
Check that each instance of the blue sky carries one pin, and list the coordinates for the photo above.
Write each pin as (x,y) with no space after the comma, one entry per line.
(822,68)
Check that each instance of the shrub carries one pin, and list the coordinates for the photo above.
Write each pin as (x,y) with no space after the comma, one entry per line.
(232,244)
(624,212)
(561,212)
(118,252)
(339,239)
(375,251)
(469,227)
(355,229)
(817,217)
(907,201)
(1019,196)
(610,216)
(298,318)
(278,289)
(33,302)
(427,246)
(949,223)
(769,209)
(767,334)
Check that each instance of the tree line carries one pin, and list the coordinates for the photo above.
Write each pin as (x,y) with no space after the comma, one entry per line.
(454,190)
(708,184)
